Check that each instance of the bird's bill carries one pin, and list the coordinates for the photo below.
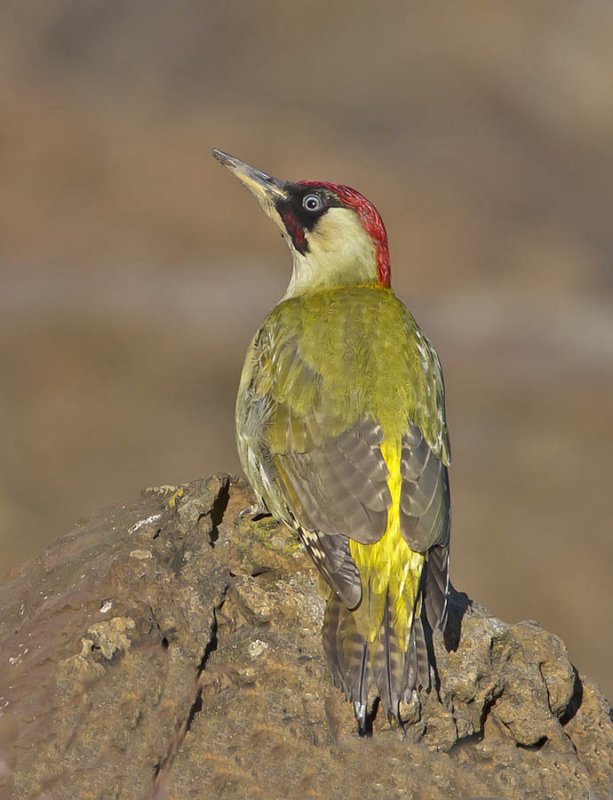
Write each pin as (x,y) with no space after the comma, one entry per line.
(266,188)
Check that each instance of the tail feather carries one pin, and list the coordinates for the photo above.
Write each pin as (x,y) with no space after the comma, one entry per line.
(347,653)
(360,705)
(436,586)
(329,634)
(410,668)
(387,666)
(421,660)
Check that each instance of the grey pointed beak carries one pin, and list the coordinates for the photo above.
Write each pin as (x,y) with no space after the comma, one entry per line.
(266,188)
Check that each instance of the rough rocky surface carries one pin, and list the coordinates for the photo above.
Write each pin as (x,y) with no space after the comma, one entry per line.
(167,649)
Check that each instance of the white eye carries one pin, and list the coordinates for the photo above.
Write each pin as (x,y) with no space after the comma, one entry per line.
(312,202)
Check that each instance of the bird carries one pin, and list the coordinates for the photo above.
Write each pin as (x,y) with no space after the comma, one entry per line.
(341,432)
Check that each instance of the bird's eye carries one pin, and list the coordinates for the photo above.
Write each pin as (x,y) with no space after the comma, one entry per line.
(312,202)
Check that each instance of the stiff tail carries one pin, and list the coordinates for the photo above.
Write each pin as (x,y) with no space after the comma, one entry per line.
(348,658)
(388,666)
(384,667)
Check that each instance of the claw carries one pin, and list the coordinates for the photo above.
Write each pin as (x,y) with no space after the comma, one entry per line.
(254,512)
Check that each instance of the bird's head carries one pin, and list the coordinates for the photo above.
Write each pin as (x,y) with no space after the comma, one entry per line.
(335,234)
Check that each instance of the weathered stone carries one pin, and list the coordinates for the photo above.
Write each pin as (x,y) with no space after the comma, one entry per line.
(197,671)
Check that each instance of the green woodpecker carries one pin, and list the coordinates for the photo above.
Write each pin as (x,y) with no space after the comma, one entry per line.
(341,432)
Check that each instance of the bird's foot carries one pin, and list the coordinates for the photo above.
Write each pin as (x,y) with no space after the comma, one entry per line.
(254,512)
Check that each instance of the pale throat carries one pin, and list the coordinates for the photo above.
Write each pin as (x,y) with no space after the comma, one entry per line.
(340,253)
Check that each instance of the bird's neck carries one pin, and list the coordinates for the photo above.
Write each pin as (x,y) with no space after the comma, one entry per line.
(339,252)
(319,270)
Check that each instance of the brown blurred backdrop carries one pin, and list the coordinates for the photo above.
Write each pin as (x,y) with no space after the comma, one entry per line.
(134,269)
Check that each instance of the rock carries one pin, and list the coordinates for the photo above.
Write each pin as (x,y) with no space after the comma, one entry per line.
(170,649)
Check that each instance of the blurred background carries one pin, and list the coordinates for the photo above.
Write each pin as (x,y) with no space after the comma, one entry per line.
(134,269)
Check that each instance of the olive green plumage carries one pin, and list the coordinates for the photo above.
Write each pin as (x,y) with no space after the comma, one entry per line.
(323,361)
(339,391)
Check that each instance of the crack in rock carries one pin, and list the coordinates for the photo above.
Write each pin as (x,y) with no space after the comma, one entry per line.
(165,763)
